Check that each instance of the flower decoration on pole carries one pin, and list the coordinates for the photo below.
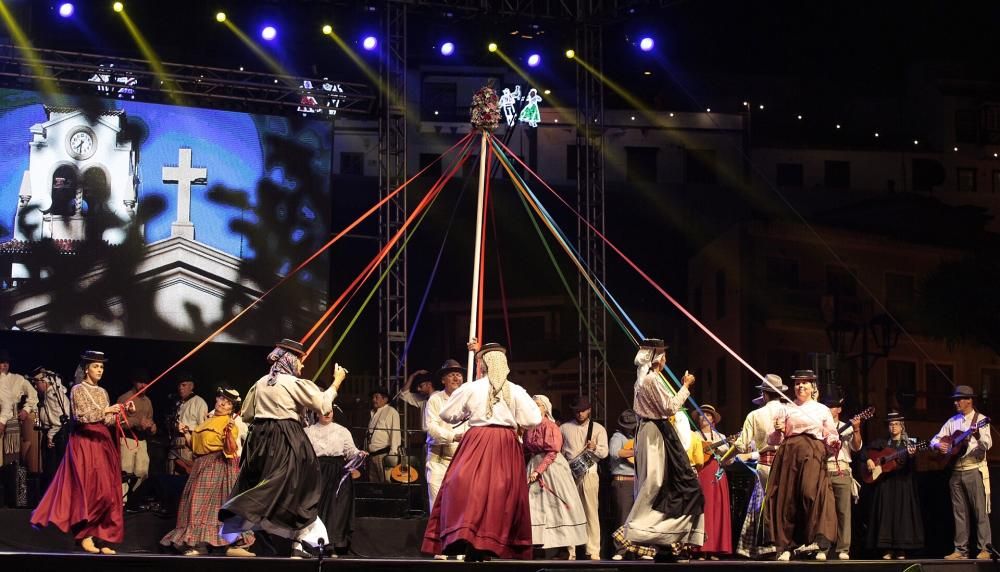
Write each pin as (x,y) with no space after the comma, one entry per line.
(485,109)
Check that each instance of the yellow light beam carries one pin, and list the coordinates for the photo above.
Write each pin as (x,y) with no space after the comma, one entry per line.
(270,62)
(154,61)
(42,74)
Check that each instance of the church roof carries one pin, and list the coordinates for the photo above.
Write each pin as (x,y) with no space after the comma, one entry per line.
(50,109)
(62,245)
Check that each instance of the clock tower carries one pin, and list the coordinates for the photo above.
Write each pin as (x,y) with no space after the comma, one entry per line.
(77,167)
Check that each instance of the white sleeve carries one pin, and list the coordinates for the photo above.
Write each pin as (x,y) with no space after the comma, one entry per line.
(307,394)
(526,412)
(601,436)
(455,410)
(440,432)
(31,404)
(395,435)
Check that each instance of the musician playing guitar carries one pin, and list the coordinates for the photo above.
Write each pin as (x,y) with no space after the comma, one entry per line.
(894,524)
(839,468)
(960,439)
(621,452)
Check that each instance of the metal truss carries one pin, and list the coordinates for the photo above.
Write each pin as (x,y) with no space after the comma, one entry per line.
(393,330)
(134,79)
(571,10)
(590,202)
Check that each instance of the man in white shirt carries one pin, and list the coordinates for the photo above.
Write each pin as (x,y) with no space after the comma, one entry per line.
(417,391)
(970,477)
(383,437)
(442,437)
(191,411)
(839,468)
(14,390)
(584,435)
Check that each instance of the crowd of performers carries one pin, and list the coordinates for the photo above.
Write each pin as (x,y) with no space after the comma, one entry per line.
(503,478)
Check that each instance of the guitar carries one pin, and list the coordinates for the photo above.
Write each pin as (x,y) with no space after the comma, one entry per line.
(959,440)
(713,447)
(404,472)
(888,460)
(630,444)
(864,415)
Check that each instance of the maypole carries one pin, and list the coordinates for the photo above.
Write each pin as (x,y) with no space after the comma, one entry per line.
(485,118)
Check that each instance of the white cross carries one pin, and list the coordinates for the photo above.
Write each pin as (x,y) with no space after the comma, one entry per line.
(184,175)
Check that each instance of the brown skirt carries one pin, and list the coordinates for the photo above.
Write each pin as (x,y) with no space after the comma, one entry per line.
(799,503)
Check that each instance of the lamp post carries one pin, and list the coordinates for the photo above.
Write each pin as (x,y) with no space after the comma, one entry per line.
(878,336)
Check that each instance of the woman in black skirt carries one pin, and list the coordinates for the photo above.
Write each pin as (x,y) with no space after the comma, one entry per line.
(895,525)
(335,449)
(279,488)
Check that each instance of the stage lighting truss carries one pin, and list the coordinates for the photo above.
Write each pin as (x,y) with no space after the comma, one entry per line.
(133,79)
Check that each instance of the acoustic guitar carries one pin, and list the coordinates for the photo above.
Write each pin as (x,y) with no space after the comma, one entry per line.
(865,414)
(959,440)
(404,472)
(888,460)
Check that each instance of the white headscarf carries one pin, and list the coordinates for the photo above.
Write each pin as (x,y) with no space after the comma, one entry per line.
(548,405)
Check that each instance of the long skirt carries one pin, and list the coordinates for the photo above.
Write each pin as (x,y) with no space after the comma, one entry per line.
(211,480)
(85,496)
(662,467)
(895,522)
(483,500)
(751,541)
(278,488)
(336,506)
(799,499)
(718,527)
(557,516)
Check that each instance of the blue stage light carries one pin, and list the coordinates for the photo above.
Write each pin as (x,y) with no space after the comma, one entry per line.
(369,43)
(269,33)
(447,49)
(66,9)
(646,44)
(534,60)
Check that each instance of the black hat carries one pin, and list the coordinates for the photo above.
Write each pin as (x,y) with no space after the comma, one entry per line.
(91,356)
(963,392)
(580,404)
(490,347)
(653,344)
(139,375)
(4,356)
(449,366)
(422,377)
(379,391)
(833,399)
(292,346)
(894,416)
(628,420)
(804,374)
(232,395)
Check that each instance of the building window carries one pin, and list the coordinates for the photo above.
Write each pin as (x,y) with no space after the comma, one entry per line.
(840,282)
(781,272)
(901,385)
(699,166)
(640,163)
(352,163)
(837,174)
(788,175)
(720,381)
(720,295)
(899,292)
(937,394)
(966,180)
(571,162)
(434,172)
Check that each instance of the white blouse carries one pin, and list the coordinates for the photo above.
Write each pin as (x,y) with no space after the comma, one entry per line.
(283,399)
(331,440)
(468,402)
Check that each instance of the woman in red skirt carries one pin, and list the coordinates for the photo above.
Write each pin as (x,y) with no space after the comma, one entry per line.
(85,496)
(482,507)
(715,487)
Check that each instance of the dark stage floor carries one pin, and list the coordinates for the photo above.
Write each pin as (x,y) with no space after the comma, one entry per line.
(38,562)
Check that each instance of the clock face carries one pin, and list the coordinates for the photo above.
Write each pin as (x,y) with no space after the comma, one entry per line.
(82,144)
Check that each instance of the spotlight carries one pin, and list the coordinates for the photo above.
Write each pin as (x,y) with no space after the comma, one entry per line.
(447,49)
(269,33)
(534,60)
(570,54)
(66,9)
(646,44)
(492,47)
(327,30)
(220,17)
(118,6)
(369,43)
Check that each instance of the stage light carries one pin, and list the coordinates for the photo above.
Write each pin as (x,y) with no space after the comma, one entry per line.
(118,6)
(534,60)
(327,30)
(915,142)
(876,134)
(646,44)
(268,33)
(762,108)
(492,47)
(570,54)
(369,43)
(956,149)
(220,17)
(547,91)
(799,117)
(66,9)
(447,49)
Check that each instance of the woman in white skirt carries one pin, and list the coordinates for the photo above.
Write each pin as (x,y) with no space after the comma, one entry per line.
(557,517)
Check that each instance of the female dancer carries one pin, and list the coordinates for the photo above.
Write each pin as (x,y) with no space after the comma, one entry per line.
(715,487)
(895,525)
